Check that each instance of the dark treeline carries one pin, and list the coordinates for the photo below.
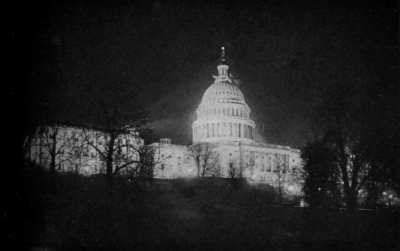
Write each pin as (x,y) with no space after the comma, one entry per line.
(354,143)
(354,137)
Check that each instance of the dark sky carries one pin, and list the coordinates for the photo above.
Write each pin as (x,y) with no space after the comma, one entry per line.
(285,54)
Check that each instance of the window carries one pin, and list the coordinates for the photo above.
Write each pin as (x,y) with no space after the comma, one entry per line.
(252,155)
(162,166)
(269,168)
(92,154)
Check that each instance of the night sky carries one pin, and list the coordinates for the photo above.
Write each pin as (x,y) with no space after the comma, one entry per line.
(284,54)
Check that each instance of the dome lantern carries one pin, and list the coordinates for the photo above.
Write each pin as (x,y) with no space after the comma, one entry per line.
(223,67)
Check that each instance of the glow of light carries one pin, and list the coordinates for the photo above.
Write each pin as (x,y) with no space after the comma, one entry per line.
(290,188)
(384,193)
(250,178)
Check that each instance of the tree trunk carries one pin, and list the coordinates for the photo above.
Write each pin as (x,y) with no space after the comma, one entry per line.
(109,167)
(351,199)
(53,163)
(280,194)
(198,166)
(53,156)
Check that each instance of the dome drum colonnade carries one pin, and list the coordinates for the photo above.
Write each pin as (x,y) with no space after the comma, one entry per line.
(223,113)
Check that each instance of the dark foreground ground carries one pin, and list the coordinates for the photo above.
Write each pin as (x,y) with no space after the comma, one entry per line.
(68,212)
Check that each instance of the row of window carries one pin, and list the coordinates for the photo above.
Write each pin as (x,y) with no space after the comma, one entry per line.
(223,93)
(212,130)
(225,111)
(271,168)
(77,142)
(277,158)
(77,153)
(75,168)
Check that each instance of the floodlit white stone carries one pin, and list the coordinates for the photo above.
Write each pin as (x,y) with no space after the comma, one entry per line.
(223,128)
(224,123)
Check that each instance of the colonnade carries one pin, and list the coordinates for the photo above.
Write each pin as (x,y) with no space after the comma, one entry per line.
(224,129)
(225,111)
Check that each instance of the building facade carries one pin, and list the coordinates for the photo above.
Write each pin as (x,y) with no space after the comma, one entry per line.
(81,149)
(223,144)
(224,141)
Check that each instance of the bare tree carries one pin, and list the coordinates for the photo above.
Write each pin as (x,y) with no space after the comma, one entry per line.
(120,149)
(248,164)
(282,174)
(55,143)
(235,172)
(149,159)
(206,160)
(121,126)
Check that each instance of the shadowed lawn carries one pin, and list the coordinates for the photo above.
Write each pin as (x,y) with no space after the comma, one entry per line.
(68,212)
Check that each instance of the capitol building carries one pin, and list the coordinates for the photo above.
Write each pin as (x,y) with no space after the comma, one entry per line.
(224,141)
(223,144)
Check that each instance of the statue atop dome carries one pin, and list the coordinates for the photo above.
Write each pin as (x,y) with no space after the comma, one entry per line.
(223,56)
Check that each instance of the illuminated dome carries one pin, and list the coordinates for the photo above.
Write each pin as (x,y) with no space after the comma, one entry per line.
(224,92)
(223,114)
